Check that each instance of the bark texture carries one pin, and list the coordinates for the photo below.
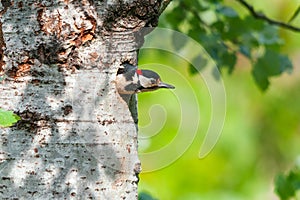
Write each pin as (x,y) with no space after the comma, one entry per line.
(76,139)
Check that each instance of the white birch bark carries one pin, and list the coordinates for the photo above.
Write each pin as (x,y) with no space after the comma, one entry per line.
(76,139)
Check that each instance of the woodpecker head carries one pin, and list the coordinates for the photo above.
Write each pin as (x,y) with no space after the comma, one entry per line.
(137,80)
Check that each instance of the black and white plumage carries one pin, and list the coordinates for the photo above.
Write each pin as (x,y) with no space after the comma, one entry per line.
(131,80)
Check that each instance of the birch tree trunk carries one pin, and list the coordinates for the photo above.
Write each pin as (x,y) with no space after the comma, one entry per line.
(76,139)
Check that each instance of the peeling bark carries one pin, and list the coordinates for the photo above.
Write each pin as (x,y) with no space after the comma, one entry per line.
(76,139)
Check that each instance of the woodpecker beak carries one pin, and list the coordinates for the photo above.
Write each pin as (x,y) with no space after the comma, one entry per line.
(158,86)
(165,85)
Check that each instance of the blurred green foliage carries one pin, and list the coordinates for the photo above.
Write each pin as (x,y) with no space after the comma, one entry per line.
(260,138)
(288,186)
(226,34)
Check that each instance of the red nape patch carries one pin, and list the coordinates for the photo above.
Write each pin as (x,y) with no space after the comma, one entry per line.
(139,72)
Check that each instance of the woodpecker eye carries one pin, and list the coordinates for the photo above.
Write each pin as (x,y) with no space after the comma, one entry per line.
(157,81)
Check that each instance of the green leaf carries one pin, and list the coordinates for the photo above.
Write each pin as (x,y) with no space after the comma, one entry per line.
(8,118)
(227,11)
(178,42)
(245,50)
(286,186)
(229,60)
(200,64)
(211,43)
(270,64)
(283,187)
(176,17)
(285,63)
(145,196)
(235,28)
(196,32)
(219,26)
(218,51)
(260,78)
(197,5)
(294,178)
(254,24)
(269,35)
(248,40)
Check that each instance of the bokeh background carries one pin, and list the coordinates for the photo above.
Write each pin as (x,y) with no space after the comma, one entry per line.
(261,133)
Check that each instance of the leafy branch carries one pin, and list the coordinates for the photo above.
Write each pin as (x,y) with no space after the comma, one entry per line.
(225,35)
(262,16)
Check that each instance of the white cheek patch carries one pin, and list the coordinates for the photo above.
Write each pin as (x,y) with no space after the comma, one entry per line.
(145,82)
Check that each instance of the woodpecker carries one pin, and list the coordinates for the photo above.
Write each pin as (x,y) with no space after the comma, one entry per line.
(131,80)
